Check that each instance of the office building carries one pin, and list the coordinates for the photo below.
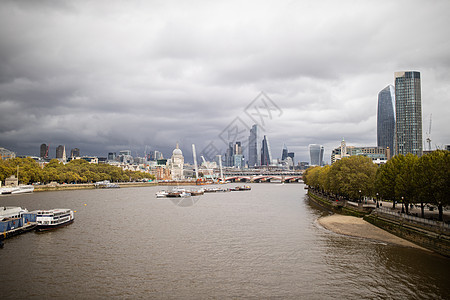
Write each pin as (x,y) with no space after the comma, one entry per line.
(44,151)
(111,156)
(316,155)
(61,153)
(386,118)
(284,153)
(75,152)
(291,155)
(266,154)
(408,113)
(6,154)
(233,155)
(254,147)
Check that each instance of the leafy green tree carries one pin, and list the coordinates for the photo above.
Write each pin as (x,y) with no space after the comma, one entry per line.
(433,179)
(353,177)
(405,183)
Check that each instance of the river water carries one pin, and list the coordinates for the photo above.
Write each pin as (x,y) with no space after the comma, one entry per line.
(264,243)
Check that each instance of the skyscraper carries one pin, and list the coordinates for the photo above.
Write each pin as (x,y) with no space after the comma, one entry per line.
(61,153)
(266,154)
(316,154)
(284,153)
(44,151)
(386,118)
(408,113)
(254,147)
(75,152)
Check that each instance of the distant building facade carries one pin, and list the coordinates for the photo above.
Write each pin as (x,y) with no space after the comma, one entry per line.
(316,154)
(61,153)
(75,152)
(176,164)
(408,113)
(266,153)
(254,147)
(6,154)
(112,156)
(284,153)
(233,155)
(386,118)
(377,154)
(44,151)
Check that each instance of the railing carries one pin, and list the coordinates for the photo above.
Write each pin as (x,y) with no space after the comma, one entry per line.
(413,219)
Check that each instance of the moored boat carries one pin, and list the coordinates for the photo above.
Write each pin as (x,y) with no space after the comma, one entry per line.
(53,218)
(242,188)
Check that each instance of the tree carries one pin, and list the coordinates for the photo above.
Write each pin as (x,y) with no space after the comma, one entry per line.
(353,177)
(433,178)
(405,183)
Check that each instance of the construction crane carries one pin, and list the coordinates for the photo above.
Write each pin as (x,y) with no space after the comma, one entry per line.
(429,135)
(220,165)
(195,161)
(207,166)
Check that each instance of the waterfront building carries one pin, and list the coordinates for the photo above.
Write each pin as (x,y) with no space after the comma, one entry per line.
(377,154)
(254,147)
(408,113)
(316,154)
(6,154)
(75,152)
(176,164)
(386,118)
(44,151)
(61,153)
(266,154)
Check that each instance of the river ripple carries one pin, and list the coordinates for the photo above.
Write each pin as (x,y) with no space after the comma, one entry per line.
(126,243)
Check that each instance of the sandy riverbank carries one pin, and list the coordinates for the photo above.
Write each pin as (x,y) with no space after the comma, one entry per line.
(357,227)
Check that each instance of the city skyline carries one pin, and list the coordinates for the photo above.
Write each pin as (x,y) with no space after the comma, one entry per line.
(150,74)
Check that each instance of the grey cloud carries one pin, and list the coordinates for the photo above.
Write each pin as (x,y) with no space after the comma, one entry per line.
(106,75)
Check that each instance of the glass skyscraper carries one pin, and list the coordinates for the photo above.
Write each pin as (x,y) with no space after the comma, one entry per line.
(408,112)
(254,147)
(316,154)
(266,154)
(386,118)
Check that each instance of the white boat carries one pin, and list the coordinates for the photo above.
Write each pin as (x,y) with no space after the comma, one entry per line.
(53,218)
(22,189)
(161,194)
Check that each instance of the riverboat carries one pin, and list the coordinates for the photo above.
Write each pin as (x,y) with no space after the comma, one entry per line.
(16,189)
(162,194)
(15,220)
(53,218)
(215,190)
(242,188)
(177,194)
(106,184)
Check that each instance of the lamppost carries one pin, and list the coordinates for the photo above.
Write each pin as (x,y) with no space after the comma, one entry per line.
(378,205)
(403,208)
(360,196)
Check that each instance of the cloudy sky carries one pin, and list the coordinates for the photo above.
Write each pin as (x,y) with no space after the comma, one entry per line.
(105,76)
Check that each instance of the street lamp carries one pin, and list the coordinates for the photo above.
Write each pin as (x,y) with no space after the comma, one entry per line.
(360,196)
(378,205)
(403,208)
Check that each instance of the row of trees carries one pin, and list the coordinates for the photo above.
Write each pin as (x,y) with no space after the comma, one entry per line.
(405,178)
(76,171)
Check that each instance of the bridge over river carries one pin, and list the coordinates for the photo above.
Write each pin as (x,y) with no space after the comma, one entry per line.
(267,176)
